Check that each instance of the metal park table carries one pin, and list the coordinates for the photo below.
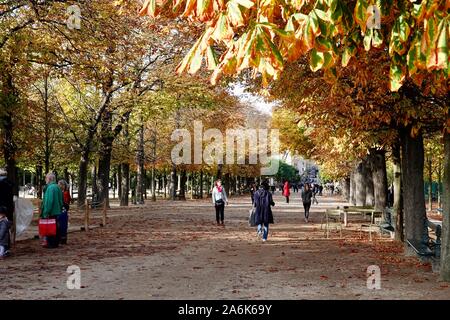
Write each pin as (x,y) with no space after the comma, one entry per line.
(345,212)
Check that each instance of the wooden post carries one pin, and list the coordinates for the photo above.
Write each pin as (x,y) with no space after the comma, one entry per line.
(104,213)
(86,215)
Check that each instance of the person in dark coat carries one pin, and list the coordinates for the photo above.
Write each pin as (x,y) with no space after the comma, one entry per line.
(263,211)
(307,195)
(6,195)
(252,192)
(5,225)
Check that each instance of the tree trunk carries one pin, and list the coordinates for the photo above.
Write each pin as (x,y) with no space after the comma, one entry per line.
(352,188)
(173,183)
(445,249)
(47,116)
(125,184)
(201,184)
(140,158)
(439,195)
(413,186)
(370,193)
(430,181)
(94,183)
(153,184)
(165,183)
(183,179)
(398,194)
(119,181)
(39,181)
(378,164)
(347,185)
(360,184)
(82,177)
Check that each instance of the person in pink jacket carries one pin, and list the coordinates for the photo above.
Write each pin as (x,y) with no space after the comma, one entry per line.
(286,191)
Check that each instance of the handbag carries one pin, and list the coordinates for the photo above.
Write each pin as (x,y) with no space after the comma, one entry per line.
(47,227)
(252,218)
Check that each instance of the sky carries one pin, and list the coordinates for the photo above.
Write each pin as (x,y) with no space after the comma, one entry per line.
(258,102)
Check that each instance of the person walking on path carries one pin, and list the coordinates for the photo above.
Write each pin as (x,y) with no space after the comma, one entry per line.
(286,190)
(307,195)
(64,217)
(263,210)
(52,206)
(219,198)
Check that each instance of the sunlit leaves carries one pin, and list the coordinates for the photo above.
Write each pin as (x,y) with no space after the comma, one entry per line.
(321,26)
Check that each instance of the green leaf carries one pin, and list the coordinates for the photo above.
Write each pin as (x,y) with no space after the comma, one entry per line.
(323,44)
(316,60)
(368,39)
(211,58)
(377,38)
(347,54)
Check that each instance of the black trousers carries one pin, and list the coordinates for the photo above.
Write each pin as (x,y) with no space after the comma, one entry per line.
(220,212)
(306,205)
(287,199)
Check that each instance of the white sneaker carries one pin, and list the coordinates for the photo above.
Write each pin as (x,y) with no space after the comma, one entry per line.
(264,240)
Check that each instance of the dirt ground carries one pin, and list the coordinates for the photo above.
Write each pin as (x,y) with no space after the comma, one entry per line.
(174,250)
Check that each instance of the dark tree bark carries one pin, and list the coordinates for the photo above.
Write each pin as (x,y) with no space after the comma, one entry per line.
(82,177)
(413,186)
(226,183)
(183,179)
(430,181)
(360,184)
(173,183)
(125,184)
(370,193)
(439,194)
(398,194)
(9,102)
(94,182)
(39,181)
(201,184)
(153,184)
(119,181)
(108,135)
(347,185)
(445,249)
(47,116)
(140,158)
(353,188)
(378,165)
(66,175)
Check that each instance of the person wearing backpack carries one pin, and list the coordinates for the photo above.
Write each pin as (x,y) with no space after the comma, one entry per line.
(219,198)
(307,195)
(263,210)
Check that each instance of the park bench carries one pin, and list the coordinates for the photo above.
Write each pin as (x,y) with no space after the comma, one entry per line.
(428,247)
(388,225)
(332,216)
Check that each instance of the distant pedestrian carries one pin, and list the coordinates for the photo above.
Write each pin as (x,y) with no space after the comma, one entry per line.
(263,210)
(52,207)
(64,217)
(307,196)
(219,198)
(286,191)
